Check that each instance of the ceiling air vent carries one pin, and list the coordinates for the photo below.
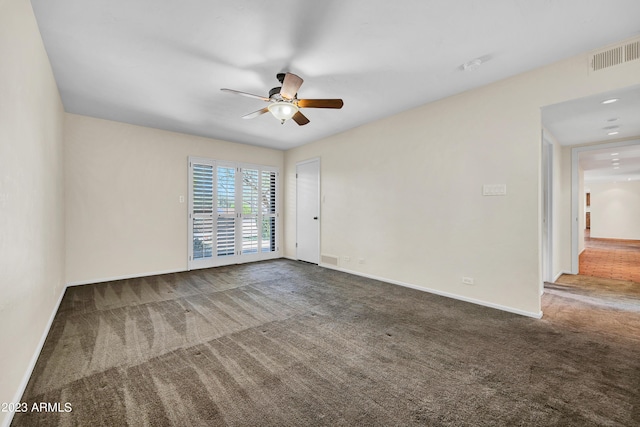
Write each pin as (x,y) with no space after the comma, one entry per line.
(615,55)
(632,51)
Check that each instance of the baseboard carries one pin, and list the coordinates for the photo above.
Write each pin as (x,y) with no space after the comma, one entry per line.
(130,276)
(555,279)
(153,273)
(34,359)
(290,257)
(437,292)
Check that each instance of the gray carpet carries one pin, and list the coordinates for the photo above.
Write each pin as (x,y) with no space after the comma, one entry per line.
(283,343)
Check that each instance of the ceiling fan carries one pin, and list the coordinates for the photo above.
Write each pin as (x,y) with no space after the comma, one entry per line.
(283,101)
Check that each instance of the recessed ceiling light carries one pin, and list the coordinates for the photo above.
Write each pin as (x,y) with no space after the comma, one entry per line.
(615,164)
(613,133)
(614,160)
(612,119)
(614,154)
(616,167)
(611,127)
(610,101)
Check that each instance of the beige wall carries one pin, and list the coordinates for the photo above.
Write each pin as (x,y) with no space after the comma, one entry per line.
(615,210)
(123,185)
(404,193)
(31,195)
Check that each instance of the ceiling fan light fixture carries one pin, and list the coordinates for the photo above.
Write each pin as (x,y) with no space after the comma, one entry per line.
(284,103)
(282,110)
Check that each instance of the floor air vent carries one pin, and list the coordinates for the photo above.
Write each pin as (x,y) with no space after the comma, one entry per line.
(329,259)
(615,55)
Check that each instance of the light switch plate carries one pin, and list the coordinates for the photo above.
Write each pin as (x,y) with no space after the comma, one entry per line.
(494,190)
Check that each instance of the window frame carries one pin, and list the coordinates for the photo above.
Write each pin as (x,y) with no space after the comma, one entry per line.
(240,255)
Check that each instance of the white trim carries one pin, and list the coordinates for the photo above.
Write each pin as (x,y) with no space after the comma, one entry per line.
(190,209)
(574,211)
(547,147)
(311,160)
(555,279)
(437,292)
(575,153)
(32,364)
(248,258)
(128,276)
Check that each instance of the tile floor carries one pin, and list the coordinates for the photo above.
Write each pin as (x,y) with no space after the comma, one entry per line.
(611,258)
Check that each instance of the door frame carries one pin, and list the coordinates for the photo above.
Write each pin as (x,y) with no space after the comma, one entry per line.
(303,162)
(575,194)
(547,202)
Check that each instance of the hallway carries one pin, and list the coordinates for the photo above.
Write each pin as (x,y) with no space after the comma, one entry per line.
(611,259)
(605,297)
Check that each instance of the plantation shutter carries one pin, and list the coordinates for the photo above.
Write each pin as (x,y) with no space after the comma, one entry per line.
(250,209)
(268,210)
(226,215)
(233,214)
(202,196)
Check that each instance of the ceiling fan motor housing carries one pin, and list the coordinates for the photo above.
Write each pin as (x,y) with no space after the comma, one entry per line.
(274,91)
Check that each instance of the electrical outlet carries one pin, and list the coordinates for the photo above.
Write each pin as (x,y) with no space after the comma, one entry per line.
(347,259)
(360,260)
(467,280)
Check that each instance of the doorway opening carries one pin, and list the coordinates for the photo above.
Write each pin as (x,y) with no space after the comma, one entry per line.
(611,212)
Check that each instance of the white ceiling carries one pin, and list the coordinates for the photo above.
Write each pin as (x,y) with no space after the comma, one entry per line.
(587,121)
(161,63)
(618,164)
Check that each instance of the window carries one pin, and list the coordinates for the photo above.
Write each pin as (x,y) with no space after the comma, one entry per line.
(243,225)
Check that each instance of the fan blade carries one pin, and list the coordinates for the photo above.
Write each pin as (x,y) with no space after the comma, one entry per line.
(290,86)
(249,95)
(320,103)
(300,119)
(256,113)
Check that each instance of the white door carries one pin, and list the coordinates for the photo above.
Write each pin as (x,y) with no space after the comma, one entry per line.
(308,211)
